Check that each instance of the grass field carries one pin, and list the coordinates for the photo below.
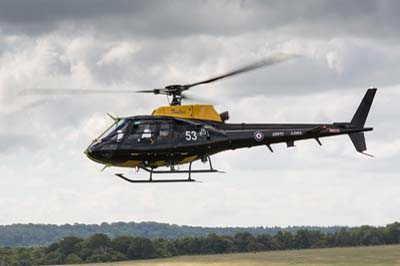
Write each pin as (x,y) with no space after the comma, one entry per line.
(357,256)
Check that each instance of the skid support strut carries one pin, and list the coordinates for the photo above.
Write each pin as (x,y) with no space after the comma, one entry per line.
(172,170)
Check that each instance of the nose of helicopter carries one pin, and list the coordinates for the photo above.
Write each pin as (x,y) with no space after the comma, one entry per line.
(96,153)
(87,152)
(91,153)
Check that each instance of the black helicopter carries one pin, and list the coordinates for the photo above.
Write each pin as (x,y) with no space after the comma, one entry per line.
(181,134)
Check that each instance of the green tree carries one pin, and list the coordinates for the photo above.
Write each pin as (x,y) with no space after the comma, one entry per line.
(164,248)
(54,257)
(23,257)
(104,254)
(52,247)
(342,238)
(141,248)
(282,240)
(392,233)
(368,235)
(69,245)
(302,239)
(72,259)
(264,241)
(216,244)
(307,239)
(97,241)
(244,242)
(121,243)
(188,245)
(38,255)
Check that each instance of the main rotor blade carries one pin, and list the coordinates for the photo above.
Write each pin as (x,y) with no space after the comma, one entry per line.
(198,99)
(48,91)
(147,91)
(276,59)
(154,91)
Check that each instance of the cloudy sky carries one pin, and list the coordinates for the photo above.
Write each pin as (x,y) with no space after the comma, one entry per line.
(347,46)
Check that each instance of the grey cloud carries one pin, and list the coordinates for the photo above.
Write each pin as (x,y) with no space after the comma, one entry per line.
(179,18)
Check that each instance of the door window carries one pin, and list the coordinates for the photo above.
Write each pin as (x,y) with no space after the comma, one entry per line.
(149,131)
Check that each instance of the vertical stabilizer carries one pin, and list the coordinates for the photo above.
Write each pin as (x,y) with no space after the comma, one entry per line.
(361,114)
(359,119)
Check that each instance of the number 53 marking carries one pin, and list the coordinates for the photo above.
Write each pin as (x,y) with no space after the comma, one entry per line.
(191,135)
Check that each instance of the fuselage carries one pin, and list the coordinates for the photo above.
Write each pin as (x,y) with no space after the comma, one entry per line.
(153,141)
(175,135)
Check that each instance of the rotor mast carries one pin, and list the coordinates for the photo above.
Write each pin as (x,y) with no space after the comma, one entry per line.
(176,92)
(176,99)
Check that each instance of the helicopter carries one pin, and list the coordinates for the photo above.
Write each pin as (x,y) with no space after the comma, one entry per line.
(177,134)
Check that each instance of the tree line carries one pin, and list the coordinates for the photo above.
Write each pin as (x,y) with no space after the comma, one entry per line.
(101,248)
(45,234)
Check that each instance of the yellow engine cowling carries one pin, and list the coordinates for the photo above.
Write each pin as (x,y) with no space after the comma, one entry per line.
(195,111)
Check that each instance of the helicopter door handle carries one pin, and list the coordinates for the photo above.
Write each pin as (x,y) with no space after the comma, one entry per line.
(214,130)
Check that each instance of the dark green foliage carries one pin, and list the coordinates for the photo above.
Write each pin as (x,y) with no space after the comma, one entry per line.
(306,239)
(73,259)
(105,254)
(368,235)
(121,244)
(100,248)
(218,244)
(244,242)
(141,248)
(282,240)
(342,238)
(392,233)
(54,257)
(69,245)
(41,234)
(164,248)
(264,242)
(97,241)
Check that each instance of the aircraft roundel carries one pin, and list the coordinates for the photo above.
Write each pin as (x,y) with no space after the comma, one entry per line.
(258,136)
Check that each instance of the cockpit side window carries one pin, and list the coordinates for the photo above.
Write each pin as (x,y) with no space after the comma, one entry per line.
(141,131)
(148,131)
(115,132)
(164,129)
(121,131)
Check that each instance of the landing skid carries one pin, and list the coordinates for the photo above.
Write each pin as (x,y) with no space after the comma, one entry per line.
(171,171)
(154,181)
